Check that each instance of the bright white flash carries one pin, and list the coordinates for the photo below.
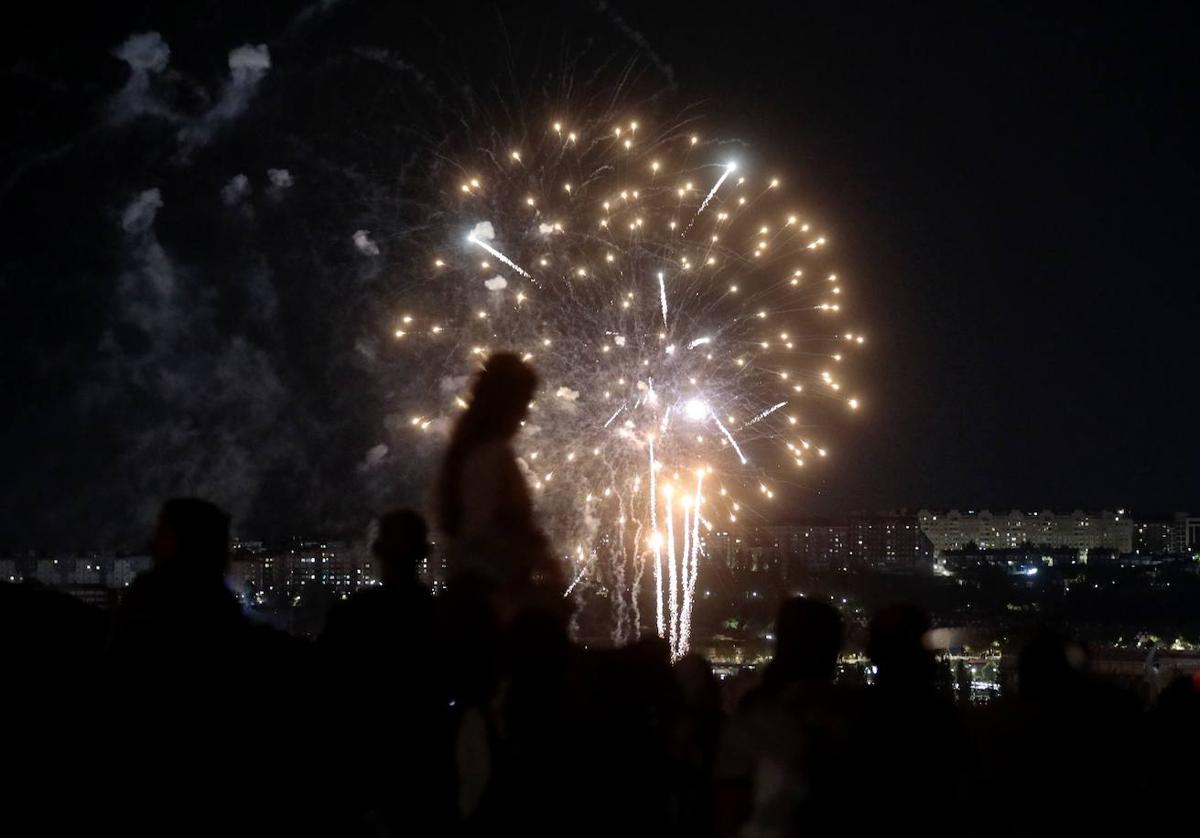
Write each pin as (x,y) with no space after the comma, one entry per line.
(696,410)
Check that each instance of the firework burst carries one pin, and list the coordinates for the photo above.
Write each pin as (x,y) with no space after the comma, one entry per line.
(677,310)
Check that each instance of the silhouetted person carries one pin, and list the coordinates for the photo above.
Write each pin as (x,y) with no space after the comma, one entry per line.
(482,501)
(383,660)
(194,685)
(502,575)
(1072,752)
(1173,734)
(1050,668)
(782,766)
(808,637)
(530,754)
(51,639)
(629,744)
(694,746)
(52,645)
(908,741)
(896,645)
(395,617)
(180,614)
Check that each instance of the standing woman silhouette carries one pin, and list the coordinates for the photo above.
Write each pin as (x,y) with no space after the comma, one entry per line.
(482,503)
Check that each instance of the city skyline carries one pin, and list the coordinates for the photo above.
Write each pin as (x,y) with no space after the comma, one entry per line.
(961,525)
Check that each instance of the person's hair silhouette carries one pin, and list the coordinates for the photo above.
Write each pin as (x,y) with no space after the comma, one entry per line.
(499,402)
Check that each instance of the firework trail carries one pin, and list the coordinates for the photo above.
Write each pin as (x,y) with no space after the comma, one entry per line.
(662,291)
(500,256)
(766,413)
(729,169)
(672,572)
(689,592)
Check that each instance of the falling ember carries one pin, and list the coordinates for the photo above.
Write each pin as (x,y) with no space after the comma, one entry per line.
(641,382)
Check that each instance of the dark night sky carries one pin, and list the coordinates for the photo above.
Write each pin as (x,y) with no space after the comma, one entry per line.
(1016,191)
(1011,193)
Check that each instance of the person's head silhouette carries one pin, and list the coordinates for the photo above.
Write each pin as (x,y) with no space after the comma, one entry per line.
(501,394)
(896,644)
(1045,669)
(192,536)
(401,543)
(808,637)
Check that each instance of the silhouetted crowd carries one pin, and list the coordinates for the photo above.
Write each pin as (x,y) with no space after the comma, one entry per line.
(473,713)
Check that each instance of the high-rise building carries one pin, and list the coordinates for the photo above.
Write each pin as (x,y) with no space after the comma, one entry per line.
(814,546)
(893,543)
(1078,530)
(336,566)
(1153,537)
(783,550)
(1185,534)
(746,550)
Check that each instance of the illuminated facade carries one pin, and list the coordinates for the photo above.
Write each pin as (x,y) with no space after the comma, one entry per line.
(1078,530)
(892,543)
